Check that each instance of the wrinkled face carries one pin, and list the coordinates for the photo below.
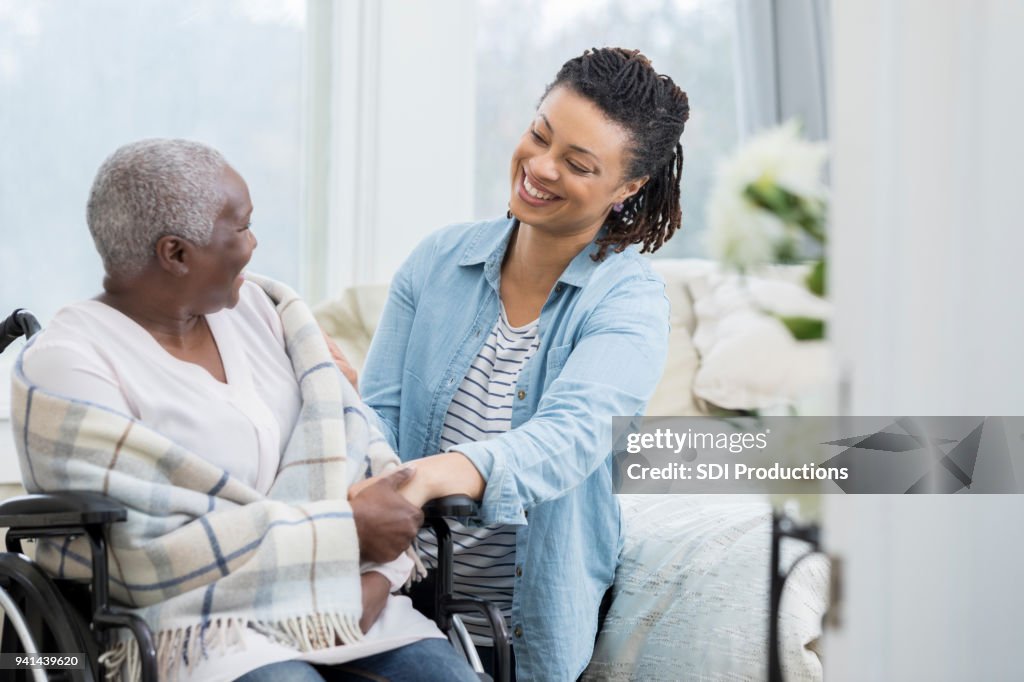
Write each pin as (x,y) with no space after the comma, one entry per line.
(567,170)
(216,269)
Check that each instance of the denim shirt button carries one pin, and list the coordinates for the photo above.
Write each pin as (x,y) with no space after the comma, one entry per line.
(519,571)
(518,631)
(558,288)
(521,395)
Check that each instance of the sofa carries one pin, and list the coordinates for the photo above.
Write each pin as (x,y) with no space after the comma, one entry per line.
(691,594)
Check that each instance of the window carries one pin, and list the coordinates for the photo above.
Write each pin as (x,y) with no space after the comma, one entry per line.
(77,80)
(521,45)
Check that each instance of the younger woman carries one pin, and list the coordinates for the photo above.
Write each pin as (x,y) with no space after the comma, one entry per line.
(507,346)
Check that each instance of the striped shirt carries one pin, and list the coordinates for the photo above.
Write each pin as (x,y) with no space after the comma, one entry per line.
(484,561)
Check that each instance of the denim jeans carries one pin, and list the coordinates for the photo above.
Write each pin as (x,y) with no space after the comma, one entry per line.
(428,660)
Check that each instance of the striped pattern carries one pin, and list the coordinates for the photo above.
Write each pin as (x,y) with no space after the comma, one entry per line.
(485,558)
(202,556)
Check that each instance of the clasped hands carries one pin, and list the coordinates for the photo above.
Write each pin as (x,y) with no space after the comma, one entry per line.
(387,507)
(387,510)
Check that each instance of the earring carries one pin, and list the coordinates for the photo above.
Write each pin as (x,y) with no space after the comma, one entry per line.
(617,207)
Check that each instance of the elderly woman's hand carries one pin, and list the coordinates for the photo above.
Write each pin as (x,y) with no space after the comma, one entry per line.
(341,361)
(385,522)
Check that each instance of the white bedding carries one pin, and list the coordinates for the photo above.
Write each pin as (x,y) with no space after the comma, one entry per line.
(691,595)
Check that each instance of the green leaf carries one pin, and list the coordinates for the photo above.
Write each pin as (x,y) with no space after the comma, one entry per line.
(806,213)
(813,225)
(816,279)
(804,328)
(767,195)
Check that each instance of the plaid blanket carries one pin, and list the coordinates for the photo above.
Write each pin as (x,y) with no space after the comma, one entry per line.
(202,555)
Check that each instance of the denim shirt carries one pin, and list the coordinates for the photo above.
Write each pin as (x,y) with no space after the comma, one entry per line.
(603,341)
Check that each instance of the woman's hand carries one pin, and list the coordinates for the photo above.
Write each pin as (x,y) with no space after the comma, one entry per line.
(376,588)
(447,473)
(341,361)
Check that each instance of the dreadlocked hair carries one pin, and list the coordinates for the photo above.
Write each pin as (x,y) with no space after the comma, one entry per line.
(652,109)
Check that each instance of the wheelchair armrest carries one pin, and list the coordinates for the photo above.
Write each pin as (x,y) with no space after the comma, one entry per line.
(61,509)
(70,513)
(452,506)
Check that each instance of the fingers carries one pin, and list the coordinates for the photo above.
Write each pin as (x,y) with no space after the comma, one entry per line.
(332,347)
(359,487)
(398,477)
(328,339)
(394,478)
(341,361)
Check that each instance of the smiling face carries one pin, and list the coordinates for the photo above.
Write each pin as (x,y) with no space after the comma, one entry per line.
(567,170)
(215,271)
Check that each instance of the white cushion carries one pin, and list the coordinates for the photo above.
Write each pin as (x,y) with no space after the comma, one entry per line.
(674,393)
(749,359)
(352,318)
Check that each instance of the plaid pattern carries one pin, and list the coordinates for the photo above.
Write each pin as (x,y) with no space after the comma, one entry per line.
(202,555)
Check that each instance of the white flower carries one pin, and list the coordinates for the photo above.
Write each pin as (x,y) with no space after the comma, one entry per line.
(783,156)
(742,234)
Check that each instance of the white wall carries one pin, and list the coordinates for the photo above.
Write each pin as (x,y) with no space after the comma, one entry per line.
(402,99)
(928,273)
(929,244)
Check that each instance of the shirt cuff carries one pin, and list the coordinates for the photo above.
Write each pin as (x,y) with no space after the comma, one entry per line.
(501,502)
(397,571)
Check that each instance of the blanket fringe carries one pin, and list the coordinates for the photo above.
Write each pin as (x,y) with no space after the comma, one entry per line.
(188,645)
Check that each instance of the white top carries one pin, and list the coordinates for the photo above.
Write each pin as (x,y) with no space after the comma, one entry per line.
(484,558)
(92,352)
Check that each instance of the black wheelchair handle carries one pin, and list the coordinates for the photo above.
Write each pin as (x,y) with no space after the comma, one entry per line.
(20,323)
(451,506)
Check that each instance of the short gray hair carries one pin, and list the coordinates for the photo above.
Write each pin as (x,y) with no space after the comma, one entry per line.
(152,188)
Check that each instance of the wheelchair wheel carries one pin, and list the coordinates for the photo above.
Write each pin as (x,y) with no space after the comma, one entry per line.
(37,619)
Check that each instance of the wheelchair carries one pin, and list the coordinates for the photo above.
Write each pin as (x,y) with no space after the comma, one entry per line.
(44,615)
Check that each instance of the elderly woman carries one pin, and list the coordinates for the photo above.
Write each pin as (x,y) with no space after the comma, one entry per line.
(207,403)
(552,324)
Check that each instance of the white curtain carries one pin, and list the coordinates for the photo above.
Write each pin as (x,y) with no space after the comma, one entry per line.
(783,57)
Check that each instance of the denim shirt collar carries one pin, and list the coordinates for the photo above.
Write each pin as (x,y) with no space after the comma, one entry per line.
(491,241)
